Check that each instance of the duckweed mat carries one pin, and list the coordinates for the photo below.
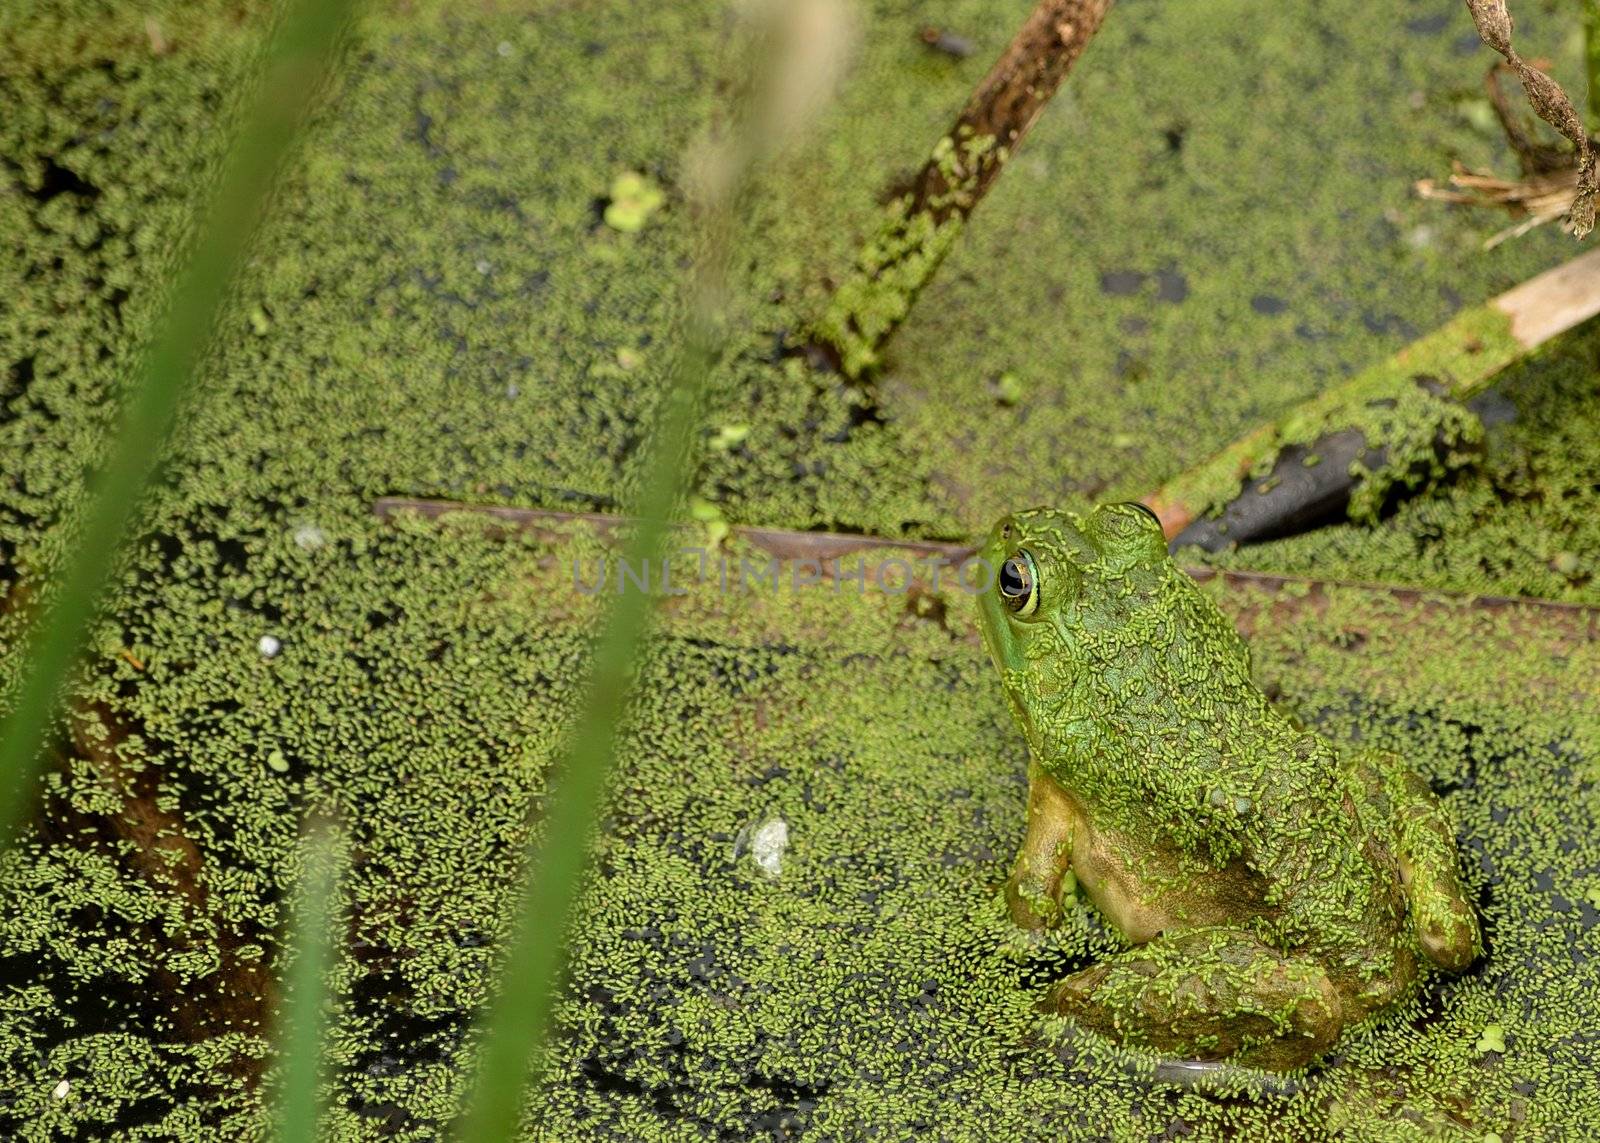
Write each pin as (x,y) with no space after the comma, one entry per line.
(1210,222)
(795,927)
(860,982)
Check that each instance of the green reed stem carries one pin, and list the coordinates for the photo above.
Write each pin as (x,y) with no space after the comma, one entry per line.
(301,1037)
(1591,58)
(512,1058)
(515,1026)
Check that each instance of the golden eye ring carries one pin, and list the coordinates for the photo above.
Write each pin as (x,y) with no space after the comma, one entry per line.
(1018,584)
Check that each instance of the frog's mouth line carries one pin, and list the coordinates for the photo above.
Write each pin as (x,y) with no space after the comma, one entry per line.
(994,622)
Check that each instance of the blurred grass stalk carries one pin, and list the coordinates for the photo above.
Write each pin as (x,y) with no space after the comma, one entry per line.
(796,53)
(298,59)
(1591,58)
(301,1040)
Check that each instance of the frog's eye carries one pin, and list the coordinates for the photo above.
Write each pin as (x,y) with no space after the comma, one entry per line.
(1019,584)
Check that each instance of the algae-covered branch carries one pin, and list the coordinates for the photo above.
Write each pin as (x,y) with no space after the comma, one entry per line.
(925,215)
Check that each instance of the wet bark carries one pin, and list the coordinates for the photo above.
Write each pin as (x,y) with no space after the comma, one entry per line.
(1453,364)
(1008,102)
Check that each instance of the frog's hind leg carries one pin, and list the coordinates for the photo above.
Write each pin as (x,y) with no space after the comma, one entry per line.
(1424,844)
(1212,993)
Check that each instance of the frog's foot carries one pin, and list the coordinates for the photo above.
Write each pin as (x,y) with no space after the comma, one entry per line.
(1209,994)
(1424,840)
(1033,894)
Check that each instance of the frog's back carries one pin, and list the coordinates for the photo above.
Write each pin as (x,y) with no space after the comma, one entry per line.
(1200,755)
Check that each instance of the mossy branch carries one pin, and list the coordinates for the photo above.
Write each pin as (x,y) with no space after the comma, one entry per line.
(921,223)
(1395,427)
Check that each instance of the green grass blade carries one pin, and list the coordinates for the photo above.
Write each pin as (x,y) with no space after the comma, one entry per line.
(1591,58)
(516,1023)
(796,51)
(301,1035)
(300,56)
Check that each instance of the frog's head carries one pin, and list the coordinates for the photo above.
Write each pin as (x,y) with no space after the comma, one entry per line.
(1056,575)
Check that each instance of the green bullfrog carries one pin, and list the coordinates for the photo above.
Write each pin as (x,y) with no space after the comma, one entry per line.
(1273,893)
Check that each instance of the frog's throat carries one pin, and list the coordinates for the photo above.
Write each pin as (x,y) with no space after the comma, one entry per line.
(1005,652)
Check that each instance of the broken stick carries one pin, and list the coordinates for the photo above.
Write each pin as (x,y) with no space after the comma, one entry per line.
(1548,101)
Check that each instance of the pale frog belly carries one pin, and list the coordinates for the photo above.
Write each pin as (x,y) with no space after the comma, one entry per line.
(1156,895)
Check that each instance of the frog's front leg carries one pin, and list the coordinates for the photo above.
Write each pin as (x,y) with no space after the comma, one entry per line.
(1209,994)
(1033,894)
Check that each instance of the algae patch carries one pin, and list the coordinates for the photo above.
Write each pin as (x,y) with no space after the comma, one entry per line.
(449,315)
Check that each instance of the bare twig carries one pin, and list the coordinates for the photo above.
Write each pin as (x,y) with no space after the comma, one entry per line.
(1537,156)
(923,221)
(1534,201)
(1544,194)
(1549,102)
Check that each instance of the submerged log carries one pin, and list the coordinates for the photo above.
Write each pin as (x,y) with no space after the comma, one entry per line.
(1391,430)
